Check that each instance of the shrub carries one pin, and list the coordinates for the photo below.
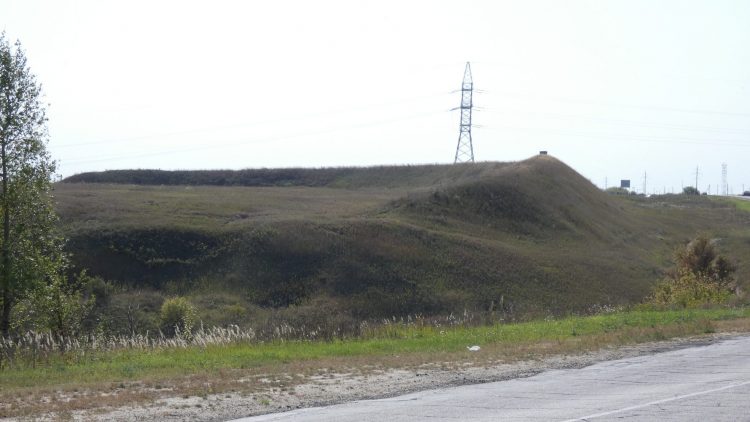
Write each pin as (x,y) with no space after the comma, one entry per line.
(700,258)
(689,190)
(177,315)
(688,290)
(701,277)
(99,292)
(132,312)
(617,191)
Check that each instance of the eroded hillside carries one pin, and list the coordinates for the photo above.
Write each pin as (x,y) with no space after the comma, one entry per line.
(513,238)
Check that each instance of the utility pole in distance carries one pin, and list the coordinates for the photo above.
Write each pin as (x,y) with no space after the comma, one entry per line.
(465,149)
(696,177)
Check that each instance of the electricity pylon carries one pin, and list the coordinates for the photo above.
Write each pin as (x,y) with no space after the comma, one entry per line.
(464,149)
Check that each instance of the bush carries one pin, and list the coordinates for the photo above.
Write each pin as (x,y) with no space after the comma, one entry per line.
(701,277)
(746,193)
(99,292)
(689,290)
(132,312)
(177,315)
(617,191)
(689,190)
(700,258)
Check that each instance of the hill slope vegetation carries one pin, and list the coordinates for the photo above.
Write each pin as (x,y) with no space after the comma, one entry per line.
(532,237)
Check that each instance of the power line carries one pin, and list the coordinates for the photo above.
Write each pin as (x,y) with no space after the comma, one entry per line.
(631,123)
(635,138)
(597,70)
(247,141)
(250,124)
(622,105)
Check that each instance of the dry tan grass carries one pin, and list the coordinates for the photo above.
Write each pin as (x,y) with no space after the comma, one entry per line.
(278,378)
(85,206)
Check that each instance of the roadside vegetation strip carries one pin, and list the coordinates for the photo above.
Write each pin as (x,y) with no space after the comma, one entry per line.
(741,204)
(166,363)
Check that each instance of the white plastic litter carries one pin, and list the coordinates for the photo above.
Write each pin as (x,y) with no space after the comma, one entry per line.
(473,348)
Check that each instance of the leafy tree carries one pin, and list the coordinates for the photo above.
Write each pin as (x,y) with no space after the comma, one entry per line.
(30,249)
(690,190)
(57,306)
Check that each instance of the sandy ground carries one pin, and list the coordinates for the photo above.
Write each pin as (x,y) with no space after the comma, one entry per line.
(332,388)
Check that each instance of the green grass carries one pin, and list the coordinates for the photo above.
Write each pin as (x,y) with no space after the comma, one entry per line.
(741,204)
(129,365)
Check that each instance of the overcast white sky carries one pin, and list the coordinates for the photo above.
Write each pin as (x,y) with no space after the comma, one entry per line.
(613,88)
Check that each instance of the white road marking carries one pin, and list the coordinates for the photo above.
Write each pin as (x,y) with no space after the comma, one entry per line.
(640,406)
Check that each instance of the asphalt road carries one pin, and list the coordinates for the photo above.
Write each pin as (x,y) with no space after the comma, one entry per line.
(706,383)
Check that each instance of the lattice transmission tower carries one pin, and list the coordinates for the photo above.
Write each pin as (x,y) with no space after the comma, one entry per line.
(724,184)
(464,149)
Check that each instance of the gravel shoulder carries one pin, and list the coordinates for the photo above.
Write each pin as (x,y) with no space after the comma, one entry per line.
(338,387)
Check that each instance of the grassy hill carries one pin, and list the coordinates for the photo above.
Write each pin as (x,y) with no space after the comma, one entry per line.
(531,237)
